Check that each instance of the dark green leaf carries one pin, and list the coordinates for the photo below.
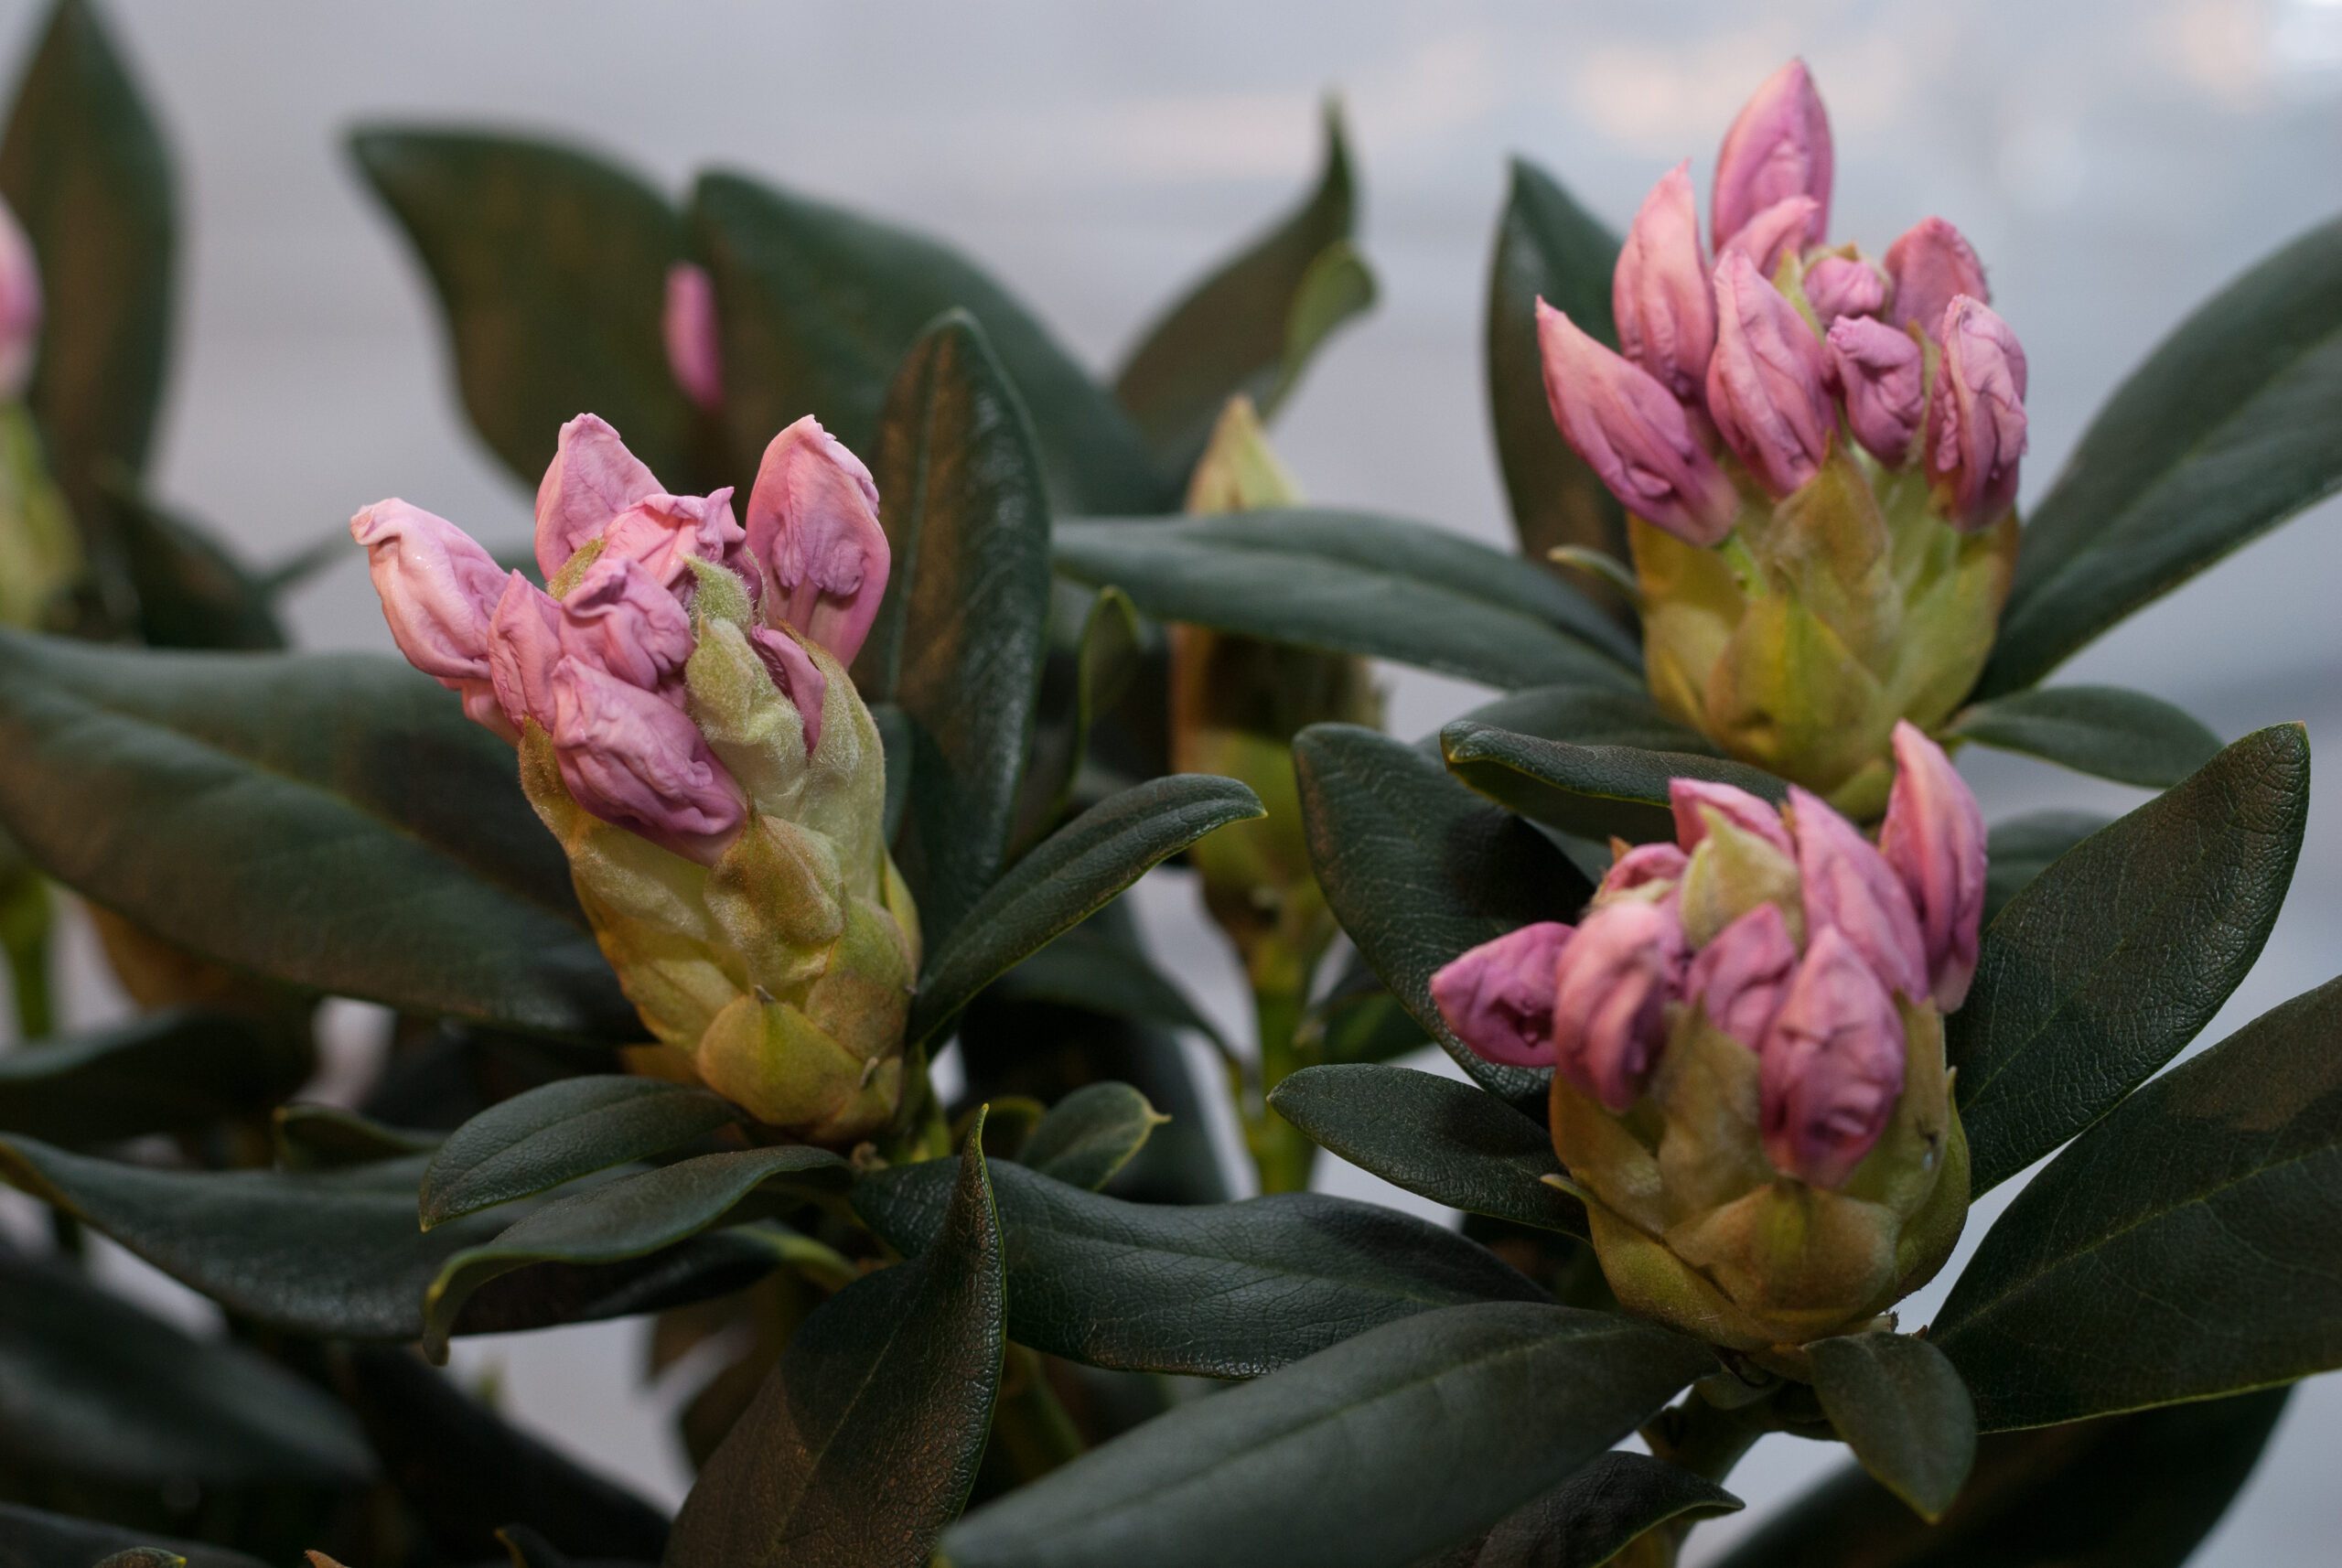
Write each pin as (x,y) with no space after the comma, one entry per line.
(2232,425)
(339,1253)
(958,641)
(2130,1491)
(1591,715)
(820,306)
(1250,327)
(558,1132)
(1357,583)
(162,1072)
(1091,1134)
(896,740)
(1076,691)
(551,268)
(1074,871)
(2022,848)
(332,821)
(2107,731)
(1372,1455)
(36,1539)
(2109,963)
(1223,1289)
(1439,1139)
(1365,1025)
(325,1138)
(1085,969)
(1418,868)
(94,1389)
(632,1216)
(2190,1245)
(1595,1515)
(1903,1410)
(1547,247)
(84,168)
(1594,791)
(192,593)
(863,1441)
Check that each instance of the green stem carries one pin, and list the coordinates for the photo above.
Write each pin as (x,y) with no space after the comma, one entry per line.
(1281,1151)
(1030,1428)
(1704,1439)
(24,931)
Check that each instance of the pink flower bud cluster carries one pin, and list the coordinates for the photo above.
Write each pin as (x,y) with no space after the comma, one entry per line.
(1781,346)
(598,663)
(1884,927)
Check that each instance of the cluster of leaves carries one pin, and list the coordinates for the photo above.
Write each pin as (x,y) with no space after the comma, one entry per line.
(992,1356)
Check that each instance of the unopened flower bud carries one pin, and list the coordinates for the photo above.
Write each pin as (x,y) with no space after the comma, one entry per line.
(1499,997)
(1933,838)
(1740,977)
(1616,976)
(1730,872)
(1778,148)
(633,758)
(620,620)
(20,306)
(1831,1064)
(1850,889)
(438,590)
(591,479)
(1768,381)
(1773,234)
(1930,264)
(688,325)
(1882,373)
(1648,871)
(813,532)
(1659,293)
(524,644)
(1976,421)
(664,535)
(1689,798)
(1633,434)
(1840,286)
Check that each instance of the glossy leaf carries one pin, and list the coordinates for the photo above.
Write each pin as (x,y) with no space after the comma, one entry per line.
(620,1220)
(1449,1141)
(1547,247)
(2022,848)
(1357,583)
(1085,969)
(1418,869)
(550,263)
(1069,875)
(1249,327)
(93,1388)
(1591,715)
(559,1132)
(959,637)
(85,170)
(1374,1454)
(37,1540)
(2128,1491)
(2188,1245)
(2107,731)
(1079,686)
(2107,965)
(2232,425)
(1091,1134)
(160,1072)
(820,304)
(325,1138)
(1903,1410)
(329,820)
(1593,792)
(338,1253)
(863,1441)
(1594,1516)
(192,592)
(1224,1290)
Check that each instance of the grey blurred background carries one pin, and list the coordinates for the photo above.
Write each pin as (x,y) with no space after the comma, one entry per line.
(2113,160)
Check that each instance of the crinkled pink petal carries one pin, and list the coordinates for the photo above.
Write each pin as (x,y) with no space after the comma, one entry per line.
(1633,434)
(1685,797)
(798,677)
(1933,837)
(1848,885)
(1840,286)
(1976,419)
(1778,148)
(1499,997)
(664,534)
(1882,374)
(1773,234)
(1611,987)
(591,479)
(524,644)
(439,589)
(622,620)
(1768,387)
(814,531)
(1831,1068)
(630,758)
(1645,865)
(1741,976)
(1930,264)
(1659,291)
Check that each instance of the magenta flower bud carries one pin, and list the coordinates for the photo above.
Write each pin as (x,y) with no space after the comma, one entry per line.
(591,480)
(813,532)
(1933,838)
(523,646)
(1499,997)
(1882,373)
(20,306)
(631,757)
(1612,985)
(664,534)
(619,619)
(688,325)
(1848,885)
(1741,976)
(1976,423)
(1930,264)
(1768,382)
(1831,1068)
(1772,235)
(438,590)
(1685,797)
(1649,868)
(1633,434)
(797,676)
(1840,286)
(1667,318)
(1779,148)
